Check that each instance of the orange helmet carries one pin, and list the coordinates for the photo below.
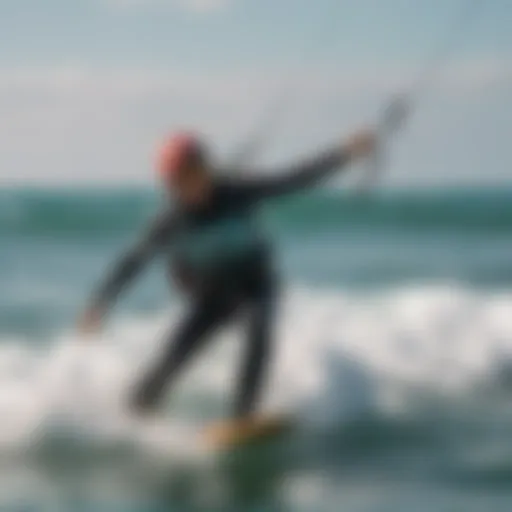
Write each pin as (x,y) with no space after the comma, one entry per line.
(178,153)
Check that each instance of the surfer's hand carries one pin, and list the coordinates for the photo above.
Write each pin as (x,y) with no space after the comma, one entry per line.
(90,321)
(361,144)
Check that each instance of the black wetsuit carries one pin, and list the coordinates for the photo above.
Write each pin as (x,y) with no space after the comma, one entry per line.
(228,264)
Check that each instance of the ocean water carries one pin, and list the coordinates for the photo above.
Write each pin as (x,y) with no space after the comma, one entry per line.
(393,349)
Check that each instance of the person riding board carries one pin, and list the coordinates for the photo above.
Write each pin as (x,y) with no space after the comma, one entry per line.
(209,232)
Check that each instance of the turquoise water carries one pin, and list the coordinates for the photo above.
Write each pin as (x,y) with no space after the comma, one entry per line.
(395,339)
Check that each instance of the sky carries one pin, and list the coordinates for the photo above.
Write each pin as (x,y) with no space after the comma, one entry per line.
(89,87)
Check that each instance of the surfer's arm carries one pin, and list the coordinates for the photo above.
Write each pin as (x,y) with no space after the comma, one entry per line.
(310,172)
(131,263)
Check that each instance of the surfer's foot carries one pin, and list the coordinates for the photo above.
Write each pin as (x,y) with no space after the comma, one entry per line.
(242,421)
(142,412)
(143,403)
(245,429)
(229,426)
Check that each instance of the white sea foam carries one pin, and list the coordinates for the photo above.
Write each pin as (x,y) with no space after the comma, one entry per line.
(338,357)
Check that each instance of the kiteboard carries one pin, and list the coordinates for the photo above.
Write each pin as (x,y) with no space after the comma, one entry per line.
(246,432)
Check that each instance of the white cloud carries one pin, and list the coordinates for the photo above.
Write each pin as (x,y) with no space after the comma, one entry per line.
(466,77)
(84,124)
(197,6)
(204,5)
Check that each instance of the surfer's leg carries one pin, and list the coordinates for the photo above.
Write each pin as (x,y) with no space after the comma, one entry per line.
(205,317)
(257,352)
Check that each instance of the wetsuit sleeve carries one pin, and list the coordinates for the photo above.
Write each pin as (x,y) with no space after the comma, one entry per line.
(298,177)
(133,261)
